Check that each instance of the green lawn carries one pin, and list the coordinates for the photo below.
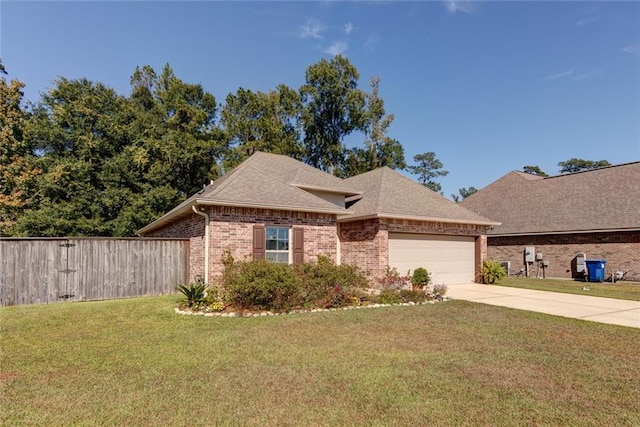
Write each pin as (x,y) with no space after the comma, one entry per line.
(619,290)
(136,363)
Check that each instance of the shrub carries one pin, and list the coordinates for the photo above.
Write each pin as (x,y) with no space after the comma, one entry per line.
(193,294)
(389,296)
(492,271)
(439,290)
(262,285)
(328,285)
(420,278)
(413,295)
(213,300)
(393,280)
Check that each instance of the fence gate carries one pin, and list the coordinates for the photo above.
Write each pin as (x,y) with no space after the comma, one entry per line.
(67,283)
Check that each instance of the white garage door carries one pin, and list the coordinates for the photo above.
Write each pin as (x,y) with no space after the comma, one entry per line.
(449,259)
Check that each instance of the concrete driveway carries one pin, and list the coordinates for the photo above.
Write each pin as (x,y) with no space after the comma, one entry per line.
(596,309)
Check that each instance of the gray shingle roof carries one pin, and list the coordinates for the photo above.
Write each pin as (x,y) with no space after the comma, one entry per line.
(387,193)
(275,181)
(268,181)
(600,199)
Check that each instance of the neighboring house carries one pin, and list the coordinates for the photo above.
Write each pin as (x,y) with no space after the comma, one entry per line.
(272,206)
(596,213)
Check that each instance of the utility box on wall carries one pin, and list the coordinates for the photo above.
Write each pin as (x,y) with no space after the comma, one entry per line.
(530,254)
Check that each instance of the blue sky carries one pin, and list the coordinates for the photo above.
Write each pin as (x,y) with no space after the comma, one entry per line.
(488,86)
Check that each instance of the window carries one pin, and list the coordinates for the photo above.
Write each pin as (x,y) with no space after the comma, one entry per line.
(277,244)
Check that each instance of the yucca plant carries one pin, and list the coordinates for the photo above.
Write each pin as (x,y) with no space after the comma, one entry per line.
(194,293)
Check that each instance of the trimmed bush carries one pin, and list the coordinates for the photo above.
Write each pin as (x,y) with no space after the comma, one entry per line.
(420,278)
(262,285)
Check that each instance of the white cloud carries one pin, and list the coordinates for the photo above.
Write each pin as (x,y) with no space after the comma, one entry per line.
(338,48)
(348,28)
(454,6)
(631,49)
(557,76)
(312,30)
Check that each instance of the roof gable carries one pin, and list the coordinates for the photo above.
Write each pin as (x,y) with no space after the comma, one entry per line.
(387,193)
(268,181)
(599,199)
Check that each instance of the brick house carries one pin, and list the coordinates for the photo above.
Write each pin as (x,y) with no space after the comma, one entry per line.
(595,213)
(272,206)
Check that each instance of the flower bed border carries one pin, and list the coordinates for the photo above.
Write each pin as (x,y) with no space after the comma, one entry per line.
(300,311)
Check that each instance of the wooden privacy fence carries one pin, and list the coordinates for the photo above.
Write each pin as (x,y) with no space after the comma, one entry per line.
(36,271)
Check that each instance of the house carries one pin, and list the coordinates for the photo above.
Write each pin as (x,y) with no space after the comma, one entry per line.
(559,218)
(272,206)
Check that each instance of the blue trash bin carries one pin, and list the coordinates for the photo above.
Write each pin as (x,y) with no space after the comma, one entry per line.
(595,269)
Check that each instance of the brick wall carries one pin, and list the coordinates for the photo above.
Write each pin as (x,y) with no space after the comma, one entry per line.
(366,243)
(620,249)
(232,228)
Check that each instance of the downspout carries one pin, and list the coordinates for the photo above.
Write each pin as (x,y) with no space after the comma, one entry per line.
(206,242)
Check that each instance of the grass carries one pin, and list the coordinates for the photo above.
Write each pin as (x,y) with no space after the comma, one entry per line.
(135,362)
(619,290)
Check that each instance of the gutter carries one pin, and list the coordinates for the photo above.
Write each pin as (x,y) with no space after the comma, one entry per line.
(206,241)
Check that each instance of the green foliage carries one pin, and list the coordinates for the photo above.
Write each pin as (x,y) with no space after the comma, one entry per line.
(464,193)
(492,271)
(333,108)
(389,296)
(194,293)
(428,168)
(577,165)
(534,170)
(328,285)
(85,160)
(261,122)
(379,149)
(413,295)
(19,170)
(262,285)
(420,278)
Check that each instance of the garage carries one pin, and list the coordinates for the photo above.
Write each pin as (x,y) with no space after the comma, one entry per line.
(449,259)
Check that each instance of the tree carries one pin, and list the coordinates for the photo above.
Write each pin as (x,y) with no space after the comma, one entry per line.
(77,126)
(18,165)
(379,149)
(576,165)
(175,127)
(534,170)
(113,164)
(427,168)
(333,107)
(261,122)
(464,193)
